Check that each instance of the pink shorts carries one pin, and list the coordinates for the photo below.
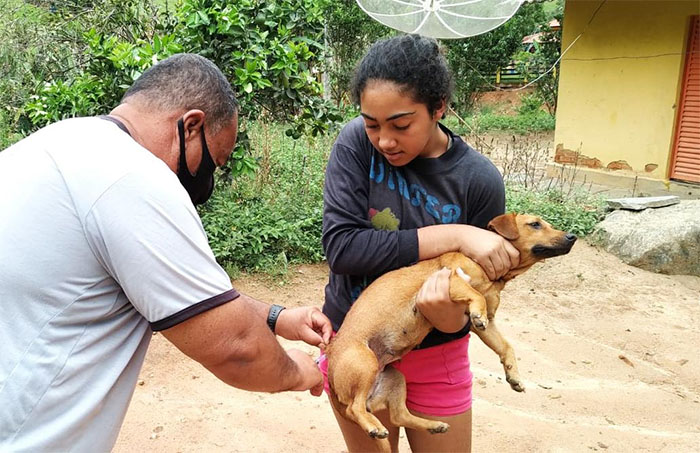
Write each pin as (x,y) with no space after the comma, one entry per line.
(438,379)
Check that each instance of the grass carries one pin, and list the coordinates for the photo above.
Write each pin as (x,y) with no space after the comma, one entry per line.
(267,221)
(576,212)
(529,117)
(486,120)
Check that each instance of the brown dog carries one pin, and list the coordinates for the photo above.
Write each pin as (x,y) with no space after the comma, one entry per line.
(384,324)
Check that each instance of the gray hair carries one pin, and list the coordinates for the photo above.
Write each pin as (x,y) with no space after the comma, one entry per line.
(187,81)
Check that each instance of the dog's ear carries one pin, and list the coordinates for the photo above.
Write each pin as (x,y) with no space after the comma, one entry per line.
(505,226)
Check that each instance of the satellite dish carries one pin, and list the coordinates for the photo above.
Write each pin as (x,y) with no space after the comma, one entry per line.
(446,19)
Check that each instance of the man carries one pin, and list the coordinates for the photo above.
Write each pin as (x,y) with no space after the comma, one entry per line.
(100,244)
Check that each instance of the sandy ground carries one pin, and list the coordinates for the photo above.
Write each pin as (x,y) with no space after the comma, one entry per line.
(609,354)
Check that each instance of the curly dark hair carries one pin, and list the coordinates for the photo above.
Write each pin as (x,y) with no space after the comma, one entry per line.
(415,63)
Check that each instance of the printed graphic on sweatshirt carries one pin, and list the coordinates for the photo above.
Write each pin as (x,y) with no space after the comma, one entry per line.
(384,219)
(393,177)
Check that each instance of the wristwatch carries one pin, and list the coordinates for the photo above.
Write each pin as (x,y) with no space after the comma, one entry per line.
(272,316)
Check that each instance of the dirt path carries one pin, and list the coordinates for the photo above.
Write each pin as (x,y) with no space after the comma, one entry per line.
(609,354)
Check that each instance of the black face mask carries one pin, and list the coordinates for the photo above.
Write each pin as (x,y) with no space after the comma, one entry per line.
(201,184)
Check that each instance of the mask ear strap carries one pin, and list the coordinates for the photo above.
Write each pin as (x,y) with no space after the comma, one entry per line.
(207,165)
(183,159)
(206,155)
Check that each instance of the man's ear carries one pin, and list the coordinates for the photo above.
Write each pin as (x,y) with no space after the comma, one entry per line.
(505,226)
(193,121)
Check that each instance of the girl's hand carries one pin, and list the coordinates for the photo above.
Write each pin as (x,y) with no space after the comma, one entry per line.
(491,251)
(433,301)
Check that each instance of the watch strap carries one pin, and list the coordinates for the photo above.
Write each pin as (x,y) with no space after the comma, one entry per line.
(272,316)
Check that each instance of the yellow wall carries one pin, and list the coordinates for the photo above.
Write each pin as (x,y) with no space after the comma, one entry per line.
(614,109)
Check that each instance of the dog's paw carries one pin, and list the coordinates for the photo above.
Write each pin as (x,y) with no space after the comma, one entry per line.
(378,434)
(478,321)
(515,384)
(439,427)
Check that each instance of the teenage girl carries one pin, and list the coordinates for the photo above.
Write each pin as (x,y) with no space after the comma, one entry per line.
(401,187)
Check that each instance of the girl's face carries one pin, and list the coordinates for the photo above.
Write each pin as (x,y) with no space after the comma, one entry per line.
(399,127)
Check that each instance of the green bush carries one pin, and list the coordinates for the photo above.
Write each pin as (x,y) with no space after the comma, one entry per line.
(114,65)
(576,213)
(530,104)
(269,50)
(486,120)
(8,136)
(264,221)
(261,235)
(521,124)
(475,59)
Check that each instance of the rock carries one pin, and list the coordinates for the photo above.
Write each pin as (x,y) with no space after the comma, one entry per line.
(626,360)
(641,203)
(664,240)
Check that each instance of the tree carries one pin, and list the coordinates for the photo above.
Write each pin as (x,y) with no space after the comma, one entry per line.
(474,59)
(543,56)
(349,33)
(270,51)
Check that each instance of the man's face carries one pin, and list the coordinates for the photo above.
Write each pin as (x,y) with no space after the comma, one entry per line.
(222,143)
(214,152)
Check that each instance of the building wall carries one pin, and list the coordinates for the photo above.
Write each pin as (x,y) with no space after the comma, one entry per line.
(620,113)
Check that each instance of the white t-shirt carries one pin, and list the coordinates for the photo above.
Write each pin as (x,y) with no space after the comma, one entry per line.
(99,245)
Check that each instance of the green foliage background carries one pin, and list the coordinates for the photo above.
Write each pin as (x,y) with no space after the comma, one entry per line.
(266,220)
(272,52)
(473,60)
(65,58)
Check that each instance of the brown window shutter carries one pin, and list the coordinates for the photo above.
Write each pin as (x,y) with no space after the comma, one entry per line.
(686,150)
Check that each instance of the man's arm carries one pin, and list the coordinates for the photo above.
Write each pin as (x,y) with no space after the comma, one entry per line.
(235,344)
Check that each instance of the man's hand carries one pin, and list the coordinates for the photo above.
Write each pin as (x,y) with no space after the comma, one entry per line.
(433,301)
(307,324)
(490,251)
(311,378)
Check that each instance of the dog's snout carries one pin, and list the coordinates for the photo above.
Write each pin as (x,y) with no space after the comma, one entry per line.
(570,237)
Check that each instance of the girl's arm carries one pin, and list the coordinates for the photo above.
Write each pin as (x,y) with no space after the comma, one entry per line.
(486,199)
(352,245)
(491,251)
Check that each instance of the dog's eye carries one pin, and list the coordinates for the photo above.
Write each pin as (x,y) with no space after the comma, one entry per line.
(535,225)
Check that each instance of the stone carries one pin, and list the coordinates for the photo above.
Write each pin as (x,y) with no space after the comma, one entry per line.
(641,203)
(663,240)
